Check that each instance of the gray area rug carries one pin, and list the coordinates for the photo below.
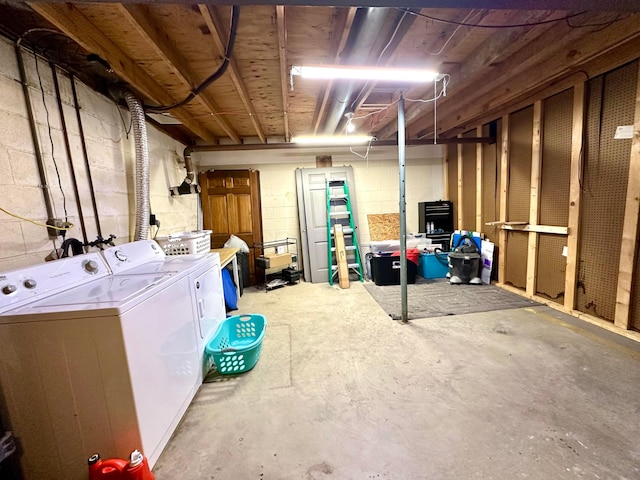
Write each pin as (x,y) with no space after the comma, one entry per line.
(437,298)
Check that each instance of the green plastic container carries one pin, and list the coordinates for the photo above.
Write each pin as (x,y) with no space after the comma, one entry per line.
(236,346)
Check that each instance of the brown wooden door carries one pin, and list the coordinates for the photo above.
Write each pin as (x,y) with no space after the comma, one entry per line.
(231,206)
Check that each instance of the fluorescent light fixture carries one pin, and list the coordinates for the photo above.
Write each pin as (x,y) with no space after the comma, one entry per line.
(332,139)
(366,73)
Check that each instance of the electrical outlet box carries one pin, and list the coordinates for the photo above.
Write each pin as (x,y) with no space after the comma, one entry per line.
(55,222)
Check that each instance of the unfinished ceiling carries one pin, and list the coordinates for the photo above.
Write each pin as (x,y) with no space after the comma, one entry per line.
(494,59)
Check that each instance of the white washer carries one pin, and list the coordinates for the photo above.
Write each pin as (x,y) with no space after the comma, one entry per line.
(92,361)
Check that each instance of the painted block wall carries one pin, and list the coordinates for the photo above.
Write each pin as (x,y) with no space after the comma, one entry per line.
(376,182)
(111,158)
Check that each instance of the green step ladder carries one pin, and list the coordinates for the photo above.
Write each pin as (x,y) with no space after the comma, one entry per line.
(339,211)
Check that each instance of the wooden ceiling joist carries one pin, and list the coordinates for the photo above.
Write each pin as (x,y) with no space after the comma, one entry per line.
(70,20)
(216,27)
(284,78)
(141,19)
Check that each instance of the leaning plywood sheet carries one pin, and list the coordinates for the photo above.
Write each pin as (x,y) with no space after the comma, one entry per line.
(384,226)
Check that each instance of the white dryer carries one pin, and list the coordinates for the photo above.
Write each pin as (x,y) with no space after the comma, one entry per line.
(95,361)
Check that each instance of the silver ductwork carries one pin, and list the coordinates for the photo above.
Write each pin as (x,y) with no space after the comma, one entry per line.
(363,39)
(143,210)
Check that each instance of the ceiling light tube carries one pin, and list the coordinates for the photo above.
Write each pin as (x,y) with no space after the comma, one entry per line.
(332,139)
(365,73)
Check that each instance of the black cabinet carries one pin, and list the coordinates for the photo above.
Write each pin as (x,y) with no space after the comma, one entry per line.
(435,219)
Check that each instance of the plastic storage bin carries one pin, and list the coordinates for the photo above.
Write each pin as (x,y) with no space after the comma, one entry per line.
(433,265)
(185,243)
(236,346)
(385,270)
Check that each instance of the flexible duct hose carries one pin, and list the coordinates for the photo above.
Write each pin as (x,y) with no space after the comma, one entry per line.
(143,210)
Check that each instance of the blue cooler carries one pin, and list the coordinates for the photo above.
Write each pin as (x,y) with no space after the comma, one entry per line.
(433,265)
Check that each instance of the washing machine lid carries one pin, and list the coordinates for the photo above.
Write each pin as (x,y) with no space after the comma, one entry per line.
(111,295)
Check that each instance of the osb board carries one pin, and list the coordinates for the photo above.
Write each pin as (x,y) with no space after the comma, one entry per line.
(469,183)
(610,103)
(556,159)
(490,184)
(520,143)
(516,268)
(452,179)
(384,226)
(551,267)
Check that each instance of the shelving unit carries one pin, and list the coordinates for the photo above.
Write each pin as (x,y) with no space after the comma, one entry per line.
(278,260)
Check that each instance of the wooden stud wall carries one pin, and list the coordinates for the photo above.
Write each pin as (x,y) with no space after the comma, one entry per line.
(628,294)
(490,185)
(452,179)
(611,102)
(469,186)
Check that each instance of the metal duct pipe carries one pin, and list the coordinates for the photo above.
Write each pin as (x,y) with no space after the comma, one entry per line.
(143,210)
(188,165)
(188,185)
(368,25)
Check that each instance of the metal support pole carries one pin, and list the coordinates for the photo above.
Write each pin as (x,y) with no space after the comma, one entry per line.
(403,209)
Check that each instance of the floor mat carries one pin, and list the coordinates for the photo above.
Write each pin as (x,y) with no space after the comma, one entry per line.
(437,298)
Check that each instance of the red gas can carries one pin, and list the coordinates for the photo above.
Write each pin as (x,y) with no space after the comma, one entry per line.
(106,470)
(136,468)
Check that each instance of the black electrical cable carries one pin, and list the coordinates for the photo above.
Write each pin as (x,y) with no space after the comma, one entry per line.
(514,25)
(55,164)
(235,16)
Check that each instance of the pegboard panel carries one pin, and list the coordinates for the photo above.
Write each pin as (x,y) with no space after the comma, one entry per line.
(490,185)
(469,183)
(520,139)
(552,267)
(610,103)
(516,268)
(556,159)
(452,179)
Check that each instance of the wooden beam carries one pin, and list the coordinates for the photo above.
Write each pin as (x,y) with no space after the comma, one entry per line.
(504,190)
(575,195)
(76,26)
(445,176)
(490,53)
(341,256)
(546,59)
(460,185)
(534,198)
(140,18)
(557,230)
(284,77)
(479,161)
(629,245)
(343,23)
(217,28)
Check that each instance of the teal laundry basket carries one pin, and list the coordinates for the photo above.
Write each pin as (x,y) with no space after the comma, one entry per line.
(236,346)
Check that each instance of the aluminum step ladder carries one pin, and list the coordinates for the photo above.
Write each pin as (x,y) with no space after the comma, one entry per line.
(339,212)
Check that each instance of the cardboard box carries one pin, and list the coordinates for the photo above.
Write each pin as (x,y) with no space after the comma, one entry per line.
(273,260)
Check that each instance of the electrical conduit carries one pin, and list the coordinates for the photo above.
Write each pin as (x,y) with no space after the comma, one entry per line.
(143,210)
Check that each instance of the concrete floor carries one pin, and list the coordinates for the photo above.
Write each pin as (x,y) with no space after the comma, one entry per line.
(343,392)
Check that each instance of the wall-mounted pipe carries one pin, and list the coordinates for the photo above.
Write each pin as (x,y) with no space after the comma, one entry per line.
(65,135)
(34,134)
(143,210)
(188,185)
(83,143)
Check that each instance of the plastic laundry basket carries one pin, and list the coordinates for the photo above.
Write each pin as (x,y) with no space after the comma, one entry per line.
(235,348)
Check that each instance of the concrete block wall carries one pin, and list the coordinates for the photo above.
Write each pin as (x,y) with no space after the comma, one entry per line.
(376,179)
(111,153)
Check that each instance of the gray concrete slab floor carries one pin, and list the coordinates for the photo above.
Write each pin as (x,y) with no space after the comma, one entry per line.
(343,392)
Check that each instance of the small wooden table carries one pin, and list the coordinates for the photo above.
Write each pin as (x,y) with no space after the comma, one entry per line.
(230,255)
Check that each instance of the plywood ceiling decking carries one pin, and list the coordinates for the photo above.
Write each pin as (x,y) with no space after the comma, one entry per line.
(163,50)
